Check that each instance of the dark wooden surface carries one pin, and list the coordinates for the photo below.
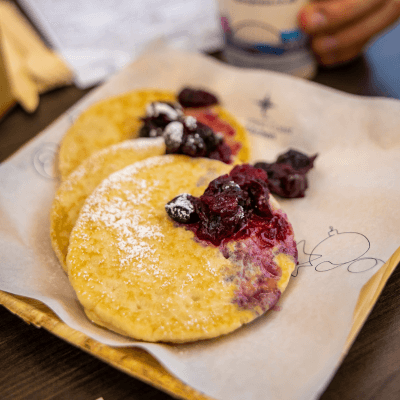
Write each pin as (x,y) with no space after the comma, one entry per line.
(34,364)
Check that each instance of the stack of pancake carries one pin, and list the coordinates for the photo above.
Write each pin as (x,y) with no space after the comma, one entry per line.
(134,270)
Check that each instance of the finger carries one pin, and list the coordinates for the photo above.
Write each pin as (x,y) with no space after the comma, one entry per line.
(330,14)
(348,42)
(339,57)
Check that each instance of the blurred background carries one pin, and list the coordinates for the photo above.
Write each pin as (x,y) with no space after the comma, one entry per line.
(96,38)
(57,51)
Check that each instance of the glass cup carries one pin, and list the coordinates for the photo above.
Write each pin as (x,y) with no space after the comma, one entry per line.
(265,34)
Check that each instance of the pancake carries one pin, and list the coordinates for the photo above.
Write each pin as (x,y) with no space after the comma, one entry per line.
(117,119)
(74,190)
(105,123)
(139,274)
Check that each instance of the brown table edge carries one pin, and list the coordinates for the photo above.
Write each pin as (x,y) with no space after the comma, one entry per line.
(135,362)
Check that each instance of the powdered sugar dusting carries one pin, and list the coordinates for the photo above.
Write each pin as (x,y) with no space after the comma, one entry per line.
(124,221)
(127,174)
(114,207)
(136,144)
(97,160)
(157,108)
(191,122)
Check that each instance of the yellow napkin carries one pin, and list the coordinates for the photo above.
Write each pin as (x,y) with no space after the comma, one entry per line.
(27,66)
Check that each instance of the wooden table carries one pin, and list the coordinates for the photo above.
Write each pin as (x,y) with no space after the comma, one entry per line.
(37,365)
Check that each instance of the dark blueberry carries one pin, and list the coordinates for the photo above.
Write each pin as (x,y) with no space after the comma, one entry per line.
(190,123)
(181,209)
(170,111)
(219,138)
(222,153)
(299,161)
(150,129)
(284,180)
(173,136)
(158,116)
(155,132)
(207,134)
(200,141)
(259,194)
(194,146)
(189,97)
(267,167)
(294,185)
(231,186)
(229,204)
(287,176)
(216,227)
(144,131)
(216,185)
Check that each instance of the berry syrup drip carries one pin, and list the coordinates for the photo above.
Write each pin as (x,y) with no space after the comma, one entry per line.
(236,208)
(287,175)
(184,134)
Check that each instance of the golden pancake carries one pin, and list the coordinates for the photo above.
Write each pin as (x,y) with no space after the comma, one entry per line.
(137,273)
(73,191)
(116,119)
(105,123)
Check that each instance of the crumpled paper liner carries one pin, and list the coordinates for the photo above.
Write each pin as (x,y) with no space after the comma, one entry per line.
(346,228)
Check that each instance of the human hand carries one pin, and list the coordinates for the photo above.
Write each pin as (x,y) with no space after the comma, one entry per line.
(339,29)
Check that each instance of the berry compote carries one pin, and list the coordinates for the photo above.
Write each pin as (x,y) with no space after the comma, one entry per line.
(158,116)
(235,214)
(184,134)
(287,175)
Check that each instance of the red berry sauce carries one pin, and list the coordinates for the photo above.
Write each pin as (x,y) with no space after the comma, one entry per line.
(257,246)
(236,208)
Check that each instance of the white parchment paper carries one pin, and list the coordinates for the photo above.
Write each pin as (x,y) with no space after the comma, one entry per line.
(346,226)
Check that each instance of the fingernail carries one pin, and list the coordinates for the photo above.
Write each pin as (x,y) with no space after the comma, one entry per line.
(317,20)
(328,44)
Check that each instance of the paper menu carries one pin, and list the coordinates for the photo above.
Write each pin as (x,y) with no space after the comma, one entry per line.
(97,38)
(346,227)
